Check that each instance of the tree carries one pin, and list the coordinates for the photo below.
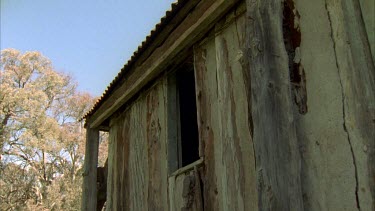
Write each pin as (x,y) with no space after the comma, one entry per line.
(41,137)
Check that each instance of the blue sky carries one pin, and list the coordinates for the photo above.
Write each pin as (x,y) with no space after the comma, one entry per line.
(89,39)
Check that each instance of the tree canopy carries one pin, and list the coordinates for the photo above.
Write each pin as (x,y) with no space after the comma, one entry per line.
(41,137)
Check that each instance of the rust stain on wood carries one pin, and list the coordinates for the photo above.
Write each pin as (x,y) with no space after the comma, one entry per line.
(292,41)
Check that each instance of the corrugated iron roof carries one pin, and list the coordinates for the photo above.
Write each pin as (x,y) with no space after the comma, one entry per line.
(169,14)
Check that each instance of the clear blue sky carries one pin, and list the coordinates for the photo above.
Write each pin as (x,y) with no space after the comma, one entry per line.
(89,39)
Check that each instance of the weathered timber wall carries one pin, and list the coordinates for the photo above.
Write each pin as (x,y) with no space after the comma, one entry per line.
(224,127)
(327,48)
(286,109)
(337,134)
(137,177)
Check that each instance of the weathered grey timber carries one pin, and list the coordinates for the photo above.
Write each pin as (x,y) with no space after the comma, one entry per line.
(337,134)
(222,108)
(138,159)
(89,189)
(278,162)
(285,111)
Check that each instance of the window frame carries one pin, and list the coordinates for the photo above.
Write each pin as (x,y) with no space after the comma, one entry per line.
(174,143)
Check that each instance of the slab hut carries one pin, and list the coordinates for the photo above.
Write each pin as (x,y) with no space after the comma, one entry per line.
(242,105)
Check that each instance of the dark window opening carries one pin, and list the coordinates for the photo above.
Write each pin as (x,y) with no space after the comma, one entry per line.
(189,140)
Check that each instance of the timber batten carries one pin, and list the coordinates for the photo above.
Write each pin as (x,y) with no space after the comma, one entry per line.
(277,166)
(284,93)
(89,188)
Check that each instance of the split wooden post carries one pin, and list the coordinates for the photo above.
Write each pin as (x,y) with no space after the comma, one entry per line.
(89,190)
(278,162)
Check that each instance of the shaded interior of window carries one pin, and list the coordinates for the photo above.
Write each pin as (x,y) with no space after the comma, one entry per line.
(189,146)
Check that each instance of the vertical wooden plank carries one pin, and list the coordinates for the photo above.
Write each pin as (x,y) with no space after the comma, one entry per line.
(198,190)
(139,163)
(367,10)
(356,74)
(122,196)
(178,198)
(223,117)
(277,154)
(155,116)
(111,162)
(137,188)
(208,118)
(237,157)
(118,163)
(328,166)
(171,193)
(89,191)
(173,136)
(162,156)
(322,143)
